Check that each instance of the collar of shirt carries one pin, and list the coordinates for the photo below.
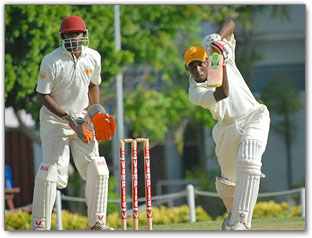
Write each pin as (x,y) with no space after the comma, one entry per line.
(83,51)
(196,84)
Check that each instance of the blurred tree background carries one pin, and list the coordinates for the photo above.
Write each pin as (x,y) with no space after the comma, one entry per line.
(153,41)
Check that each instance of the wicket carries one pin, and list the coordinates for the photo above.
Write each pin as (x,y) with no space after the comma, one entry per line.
(147,175)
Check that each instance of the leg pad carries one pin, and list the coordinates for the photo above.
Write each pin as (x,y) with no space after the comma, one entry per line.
(97,191)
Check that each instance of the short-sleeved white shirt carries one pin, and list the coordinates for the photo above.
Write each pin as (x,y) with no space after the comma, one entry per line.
(240,100)
(67,79)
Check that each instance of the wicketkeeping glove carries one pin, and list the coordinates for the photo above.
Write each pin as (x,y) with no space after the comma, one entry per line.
(82,127)
(104,125)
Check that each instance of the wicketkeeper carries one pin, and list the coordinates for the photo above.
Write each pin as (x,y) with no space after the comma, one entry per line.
(72,120)
(242,129)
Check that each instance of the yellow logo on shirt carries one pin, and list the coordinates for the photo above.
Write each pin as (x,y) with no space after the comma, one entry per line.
(87,71)
(42,75)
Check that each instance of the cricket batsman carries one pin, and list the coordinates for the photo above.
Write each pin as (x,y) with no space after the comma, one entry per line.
(72,121)
(242,129)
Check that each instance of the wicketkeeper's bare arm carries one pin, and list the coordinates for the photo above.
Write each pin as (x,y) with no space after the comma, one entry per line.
(50,103)
(94,94)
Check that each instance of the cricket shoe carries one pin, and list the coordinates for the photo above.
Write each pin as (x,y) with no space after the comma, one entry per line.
(238,227)
(38,229)
(226,223)
(100,226)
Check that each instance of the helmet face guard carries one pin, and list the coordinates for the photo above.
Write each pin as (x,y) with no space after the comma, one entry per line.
(74,24)
(74,44)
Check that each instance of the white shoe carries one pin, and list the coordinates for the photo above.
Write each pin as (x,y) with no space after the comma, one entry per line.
(226,223)
(101,227)
(238,227)
(38,229)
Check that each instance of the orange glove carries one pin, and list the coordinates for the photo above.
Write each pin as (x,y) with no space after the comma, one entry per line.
(82,127)
(104,125)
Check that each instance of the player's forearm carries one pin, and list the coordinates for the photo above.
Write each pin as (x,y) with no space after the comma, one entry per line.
(50,103)
(226,29)
(94,94)
(223,91)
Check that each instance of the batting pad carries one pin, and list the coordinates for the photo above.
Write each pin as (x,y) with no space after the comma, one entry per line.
(247,182)
(44,197)
(97,191)
(225,190)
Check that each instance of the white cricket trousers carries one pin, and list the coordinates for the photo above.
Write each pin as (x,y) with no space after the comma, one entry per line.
(58,140)
(228,137)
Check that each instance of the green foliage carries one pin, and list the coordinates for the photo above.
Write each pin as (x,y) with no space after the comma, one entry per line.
(153,36)
(17,220)
(163,215)
(283,99)
(271,209)
(277,100)
(112,207)
(206,182)
(145,112)
(70,221)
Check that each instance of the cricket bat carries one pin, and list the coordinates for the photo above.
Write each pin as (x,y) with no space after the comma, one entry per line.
(215,71)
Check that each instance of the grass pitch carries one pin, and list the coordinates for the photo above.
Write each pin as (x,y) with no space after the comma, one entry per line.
(264,224)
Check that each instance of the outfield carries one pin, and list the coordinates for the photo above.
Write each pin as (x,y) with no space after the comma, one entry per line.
(268,224)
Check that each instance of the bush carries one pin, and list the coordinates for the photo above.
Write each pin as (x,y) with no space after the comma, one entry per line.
(161,215)
(70,221)
(22,221)
(17,220)
(271,209)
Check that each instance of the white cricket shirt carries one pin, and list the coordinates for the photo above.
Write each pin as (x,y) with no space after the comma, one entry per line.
(239,102)
(67,79)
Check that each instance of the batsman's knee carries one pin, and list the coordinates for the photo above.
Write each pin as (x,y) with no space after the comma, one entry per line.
(249,157)
(98,167)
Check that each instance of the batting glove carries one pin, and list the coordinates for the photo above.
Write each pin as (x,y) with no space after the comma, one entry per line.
(209,39)
(219,47)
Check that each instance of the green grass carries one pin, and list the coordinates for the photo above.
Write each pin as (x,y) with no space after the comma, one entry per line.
(268,224)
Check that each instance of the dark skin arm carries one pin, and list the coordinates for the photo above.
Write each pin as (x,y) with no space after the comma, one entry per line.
(223,91)
(94,94)
(225,31)
(49,102)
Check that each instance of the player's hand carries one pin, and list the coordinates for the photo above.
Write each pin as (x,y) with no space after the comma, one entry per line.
(219,47)
(209,39)
(82,127)
(104,125)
